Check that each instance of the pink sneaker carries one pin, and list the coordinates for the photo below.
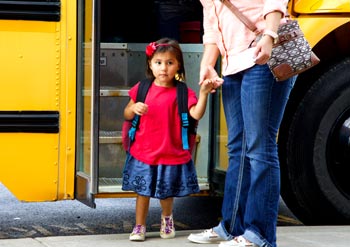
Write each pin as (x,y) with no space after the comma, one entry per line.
(167,229)
(138,233)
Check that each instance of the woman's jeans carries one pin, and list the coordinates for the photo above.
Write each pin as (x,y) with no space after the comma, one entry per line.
(254,104)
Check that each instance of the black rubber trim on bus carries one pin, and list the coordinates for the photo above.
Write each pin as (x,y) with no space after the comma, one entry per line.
(39,10)
(29,121)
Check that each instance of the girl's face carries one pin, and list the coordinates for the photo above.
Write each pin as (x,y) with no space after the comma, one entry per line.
(164,66)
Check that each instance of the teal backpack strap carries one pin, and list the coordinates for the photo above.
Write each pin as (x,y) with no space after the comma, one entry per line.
(140,97)
(182,99)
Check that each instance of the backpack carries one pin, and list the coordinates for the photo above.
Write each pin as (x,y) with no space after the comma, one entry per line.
(188,124)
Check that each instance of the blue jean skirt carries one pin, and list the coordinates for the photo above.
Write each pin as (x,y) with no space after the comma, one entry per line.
(159,181)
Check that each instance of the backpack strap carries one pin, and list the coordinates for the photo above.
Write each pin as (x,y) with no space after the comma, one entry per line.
(188,125)
(182,99)
(144,85)
(143,89)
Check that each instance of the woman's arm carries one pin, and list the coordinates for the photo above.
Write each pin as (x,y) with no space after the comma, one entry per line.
(209,58)
(264,45)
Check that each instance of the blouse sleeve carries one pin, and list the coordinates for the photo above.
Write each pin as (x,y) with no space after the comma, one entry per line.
(210,33)
(275,5)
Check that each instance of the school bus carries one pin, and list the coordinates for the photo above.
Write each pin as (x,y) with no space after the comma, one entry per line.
(65,70)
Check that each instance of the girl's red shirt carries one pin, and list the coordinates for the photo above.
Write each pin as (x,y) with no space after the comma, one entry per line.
(158,139)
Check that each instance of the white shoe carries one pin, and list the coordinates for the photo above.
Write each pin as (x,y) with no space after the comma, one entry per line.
(206,237)
(237,242)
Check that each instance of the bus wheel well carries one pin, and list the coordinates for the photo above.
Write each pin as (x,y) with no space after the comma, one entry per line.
(314,148)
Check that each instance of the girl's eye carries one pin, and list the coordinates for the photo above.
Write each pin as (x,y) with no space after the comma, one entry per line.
(167,63)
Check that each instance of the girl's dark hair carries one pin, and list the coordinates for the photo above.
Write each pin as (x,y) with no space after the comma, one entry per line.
(170,45)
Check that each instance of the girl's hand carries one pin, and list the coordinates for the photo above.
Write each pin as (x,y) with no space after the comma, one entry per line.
(210,85)
(140,108)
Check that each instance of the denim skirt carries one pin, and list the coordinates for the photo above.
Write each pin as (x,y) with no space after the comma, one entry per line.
(159,181)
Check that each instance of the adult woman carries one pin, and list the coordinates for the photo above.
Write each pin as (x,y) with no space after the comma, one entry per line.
(254,103)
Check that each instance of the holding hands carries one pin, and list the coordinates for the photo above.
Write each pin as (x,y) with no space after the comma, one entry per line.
(209,79)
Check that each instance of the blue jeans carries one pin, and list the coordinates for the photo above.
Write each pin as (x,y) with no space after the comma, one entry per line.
(254,104)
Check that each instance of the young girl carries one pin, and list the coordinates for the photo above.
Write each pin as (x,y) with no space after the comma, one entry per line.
(157,166)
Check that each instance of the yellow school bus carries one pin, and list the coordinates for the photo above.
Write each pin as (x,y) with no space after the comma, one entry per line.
(65,70)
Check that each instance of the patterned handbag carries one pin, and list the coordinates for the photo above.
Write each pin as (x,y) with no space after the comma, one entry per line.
(292,53)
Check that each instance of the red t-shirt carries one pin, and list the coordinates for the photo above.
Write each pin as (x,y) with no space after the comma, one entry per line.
(158,139)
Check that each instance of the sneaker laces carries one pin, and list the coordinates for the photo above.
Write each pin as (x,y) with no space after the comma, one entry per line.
(138,229)
(209,233)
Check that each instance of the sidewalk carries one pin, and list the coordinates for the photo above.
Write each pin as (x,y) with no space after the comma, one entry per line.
(291,236)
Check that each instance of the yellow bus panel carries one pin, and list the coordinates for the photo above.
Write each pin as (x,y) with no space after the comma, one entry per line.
(38,78)
(27,165)
(31,74)
(316,6)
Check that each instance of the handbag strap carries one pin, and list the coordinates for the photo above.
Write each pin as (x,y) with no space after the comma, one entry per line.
(241,17)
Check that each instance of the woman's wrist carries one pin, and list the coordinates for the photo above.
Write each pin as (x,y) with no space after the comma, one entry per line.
(272,34)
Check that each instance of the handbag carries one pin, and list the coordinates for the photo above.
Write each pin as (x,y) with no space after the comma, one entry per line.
(291,54)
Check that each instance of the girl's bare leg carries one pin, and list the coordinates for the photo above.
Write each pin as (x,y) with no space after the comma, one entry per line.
(167,206)
(167,229)
(142,206)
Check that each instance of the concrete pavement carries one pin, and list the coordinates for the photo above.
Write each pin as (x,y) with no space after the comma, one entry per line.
(287,236)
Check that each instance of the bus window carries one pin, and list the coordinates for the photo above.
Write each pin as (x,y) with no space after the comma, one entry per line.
(149,20)
(38,10)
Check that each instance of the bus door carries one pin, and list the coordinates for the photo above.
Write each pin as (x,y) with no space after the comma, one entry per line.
(87,101)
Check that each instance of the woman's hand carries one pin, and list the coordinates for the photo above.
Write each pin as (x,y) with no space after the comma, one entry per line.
(208,72)
(208,75)
(263,50)
(264,45)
